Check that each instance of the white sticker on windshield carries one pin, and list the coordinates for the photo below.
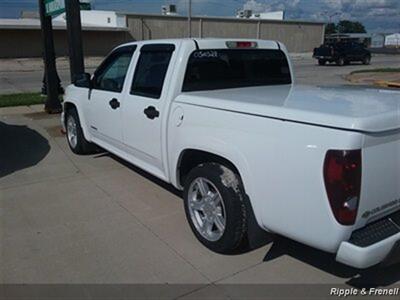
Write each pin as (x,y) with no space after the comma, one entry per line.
(206,54)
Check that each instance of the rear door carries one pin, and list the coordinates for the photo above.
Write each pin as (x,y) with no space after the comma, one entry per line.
(144,105)
(107,95)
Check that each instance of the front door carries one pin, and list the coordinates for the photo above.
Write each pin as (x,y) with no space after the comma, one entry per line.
(107,96)
(143,108)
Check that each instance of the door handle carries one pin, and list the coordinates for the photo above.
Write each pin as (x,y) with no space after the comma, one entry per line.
(114,103)
(151,112)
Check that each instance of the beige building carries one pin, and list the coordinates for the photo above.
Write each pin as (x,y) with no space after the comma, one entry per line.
(22,37)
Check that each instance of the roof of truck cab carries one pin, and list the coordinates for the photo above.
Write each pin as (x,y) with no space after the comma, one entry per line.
(208,43)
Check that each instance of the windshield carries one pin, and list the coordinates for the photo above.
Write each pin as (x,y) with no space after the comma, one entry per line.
(233,68)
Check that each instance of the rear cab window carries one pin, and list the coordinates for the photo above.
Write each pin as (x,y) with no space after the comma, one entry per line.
(234,68)
(151,69)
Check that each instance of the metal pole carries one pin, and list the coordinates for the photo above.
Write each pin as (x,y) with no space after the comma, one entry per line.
(190,18)
(53,104)
(200,28)
(74,31)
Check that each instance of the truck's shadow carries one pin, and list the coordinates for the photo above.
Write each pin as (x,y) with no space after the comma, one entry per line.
(20,148)
(373,277)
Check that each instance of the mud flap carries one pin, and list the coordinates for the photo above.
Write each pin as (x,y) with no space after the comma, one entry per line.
(256,236)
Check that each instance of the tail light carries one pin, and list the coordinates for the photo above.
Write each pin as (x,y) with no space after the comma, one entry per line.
(342,175)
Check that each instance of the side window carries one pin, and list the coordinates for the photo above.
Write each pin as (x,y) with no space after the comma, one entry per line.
(151,69)
(111,74)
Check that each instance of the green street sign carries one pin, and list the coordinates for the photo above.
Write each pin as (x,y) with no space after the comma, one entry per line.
(54,7)
(57,7)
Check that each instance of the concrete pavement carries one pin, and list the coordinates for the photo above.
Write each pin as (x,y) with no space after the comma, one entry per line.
(95,219)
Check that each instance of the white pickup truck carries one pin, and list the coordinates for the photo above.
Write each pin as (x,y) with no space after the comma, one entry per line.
(223,121)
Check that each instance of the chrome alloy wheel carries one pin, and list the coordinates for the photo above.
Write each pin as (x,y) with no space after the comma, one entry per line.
(207,209)
(72,134)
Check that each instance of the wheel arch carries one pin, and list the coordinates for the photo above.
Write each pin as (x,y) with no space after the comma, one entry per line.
(190,158)
(67,105)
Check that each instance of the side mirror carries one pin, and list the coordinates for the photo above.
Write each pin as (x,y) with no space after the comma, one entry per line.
(83,81)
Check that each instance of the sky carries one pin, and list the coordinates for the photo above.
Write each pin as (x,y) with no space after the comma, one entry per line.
(376,15)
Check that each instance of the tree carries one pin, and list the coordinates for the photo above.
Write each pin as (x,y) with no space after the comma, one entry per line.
(330,28)
(346,26)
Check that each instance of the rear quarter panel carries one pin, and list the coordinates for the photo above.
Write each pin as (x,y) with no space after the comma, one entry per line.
(380,186)
(281,165)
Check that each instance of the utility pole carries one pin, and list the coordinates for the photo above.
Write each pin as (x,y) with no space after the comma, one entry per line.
(74,31)
(53,104)
(190,18)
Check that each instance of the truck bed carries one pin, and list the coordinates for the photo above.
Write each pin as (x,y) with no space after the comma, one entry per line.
(350,108)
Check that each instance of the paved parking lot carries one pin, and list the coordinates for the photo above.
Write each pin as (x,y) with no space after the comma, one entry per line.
(95,219)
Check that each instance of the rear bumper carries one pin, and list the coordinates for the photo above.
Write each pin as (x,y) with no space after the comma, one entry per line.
(375,243)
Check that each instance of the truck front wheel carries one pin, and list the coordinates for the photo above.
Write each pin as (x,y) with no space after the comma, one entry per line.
(215,208)
(321,62)
(76,139)
(340,61)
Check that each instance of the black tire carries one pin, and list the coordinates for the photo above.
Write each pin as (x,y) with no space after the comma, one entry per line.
(321,62)
(340,61)
(82,146)
(366,60)
(232,193)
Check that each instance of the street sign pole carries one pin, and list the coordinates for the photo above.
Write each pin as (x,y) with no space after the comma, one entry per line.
(74,29)
(53,104)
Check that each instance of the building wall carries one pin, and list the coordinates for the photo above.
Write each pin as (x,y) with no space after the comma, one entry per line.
(28,42)
(297,36)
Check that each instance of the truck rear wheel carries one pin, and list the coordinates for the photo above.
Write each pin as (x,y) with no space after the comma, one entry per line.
(366,60)
(215,208)
(76,139)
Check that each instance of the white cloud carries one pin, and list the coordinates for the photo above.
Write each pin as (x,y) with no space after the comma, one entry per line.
(255,6)
(373,13)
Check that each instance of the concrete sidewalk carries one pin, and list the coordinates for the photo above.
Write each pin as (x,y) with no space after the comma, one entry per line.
(95,219)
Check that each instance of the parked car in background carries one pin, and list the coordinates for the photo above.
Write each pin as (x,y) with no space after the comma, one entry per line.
(223,121)
(342,53)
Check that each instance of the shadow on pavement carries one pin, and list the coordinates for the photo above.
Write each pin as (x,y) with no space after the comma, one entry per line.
(139,171)
(373,277)
(20,148)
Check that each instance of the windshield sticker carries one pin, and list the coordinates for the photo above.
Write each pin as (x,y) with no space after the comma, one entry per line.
(206,54)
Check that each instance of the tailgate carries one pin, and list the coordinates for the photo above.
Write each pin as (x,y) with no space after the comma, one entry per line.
(380,186)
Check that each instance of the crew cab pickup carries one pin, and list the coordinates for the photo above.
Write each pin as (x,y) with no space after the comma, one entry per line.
(223,121)
(342,53)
